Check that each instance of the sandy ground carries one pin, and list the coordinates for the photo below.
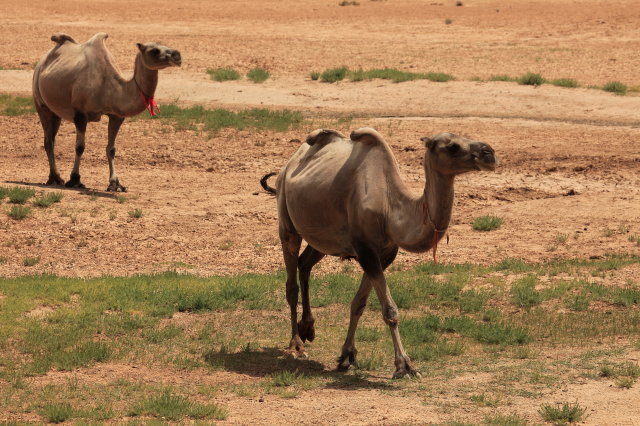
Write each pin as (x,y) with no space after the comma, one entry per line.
(570,158)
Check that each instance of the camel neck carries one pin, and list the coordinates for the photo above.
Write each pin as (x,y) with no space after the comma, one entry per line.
(418,222)
(145,79)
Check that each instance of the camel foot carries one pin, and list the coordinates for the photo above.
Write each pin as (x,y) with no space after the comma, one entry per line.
(74,182)
(306,330)
(404,369)
(347,359)
(55,180)
(296,349)
(116,187)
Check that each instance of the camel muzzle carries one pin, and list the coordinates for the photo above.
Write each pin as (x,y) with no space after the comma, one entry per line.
(176,58)
(484,157)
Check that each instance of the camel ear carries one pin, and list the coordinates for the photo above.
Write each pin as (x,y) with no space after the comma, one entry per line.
(140,47)
(429,143)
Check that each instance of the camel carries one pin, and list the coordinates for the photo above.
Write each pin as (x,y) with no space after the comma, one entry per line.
(345,198)
(81,82)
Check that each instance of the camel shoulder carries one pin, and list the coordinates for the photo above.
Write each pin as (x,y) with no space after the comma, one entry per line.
(323,136)
(367,136)
(62,38)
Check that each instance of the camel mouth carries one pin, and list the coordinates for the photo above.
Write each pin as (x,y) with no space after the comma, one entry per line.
(487,165)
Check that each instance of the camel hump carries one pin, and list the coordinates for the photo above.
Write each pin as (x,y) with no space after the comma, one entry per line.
(367,135)
(61,38)
(322,136)
(98,37)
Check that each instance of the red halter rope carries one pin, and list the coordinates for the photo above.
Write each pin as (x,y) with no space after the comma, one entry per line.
(436,231)
(150,104)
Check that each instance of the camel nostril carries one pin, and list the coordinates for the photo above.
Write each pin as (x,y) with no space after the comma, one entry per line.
(176,56)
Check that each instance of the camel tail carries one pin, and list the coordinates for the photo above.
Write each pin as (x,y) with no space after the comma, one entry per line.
(61,38)
(265,185)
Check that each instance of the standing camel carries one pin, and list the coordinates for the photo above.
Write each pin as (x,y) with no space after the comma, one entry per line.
(81,82)
(345,198)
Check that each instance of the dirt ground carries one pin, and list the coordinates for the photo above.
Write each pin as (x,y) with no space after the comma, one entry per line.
(570,158)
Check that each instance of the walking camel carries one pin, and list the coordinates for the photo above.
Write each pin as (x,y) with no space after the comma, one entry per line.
(345,198)
(81,82)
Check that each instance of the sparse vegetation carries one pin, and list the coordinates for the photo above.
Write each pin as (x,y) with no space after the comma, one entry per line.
(501,77)
(531,79)
(314,75)
(565,82)
(615,87)
(16,105)
(349,3)
(57,412)
(213,120)
(136,213)
(169,406)
(258,75)
(19,212)
(487,223)
(448,21)
(334,74)
(223,74)
(48,199)
(19,195)
(31,261)
(562,413)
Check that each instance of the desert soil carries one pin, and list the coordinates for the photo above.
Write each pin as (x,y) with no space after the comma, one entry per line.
(570,158)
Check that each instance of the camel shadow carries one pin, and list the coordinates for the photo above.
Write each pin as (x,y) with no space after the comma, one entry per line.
(269,360)
(85,191)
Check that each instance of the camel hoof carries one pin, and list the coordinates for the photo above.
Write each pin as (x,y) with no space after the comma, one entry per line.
(306,330)
(77,185)
(116,187)
(347,359)
(407,374)
(55,180)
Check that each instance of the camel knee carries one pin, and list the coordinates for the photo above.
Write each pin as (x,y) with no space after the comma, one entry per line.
(390,315)
(111,153)
(357,307)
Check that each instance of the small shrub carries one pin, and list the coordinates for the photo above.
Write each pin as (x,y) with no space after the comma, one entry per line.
(531,79)
(48,199)
(286,378)
(19,212)
(561,413)
(31,261)
(524,294)
(615,87)
(500,77)
(18,195)
(334,74)
(57,413)
(136,214)
(348,3)
(565,82)
(314,75)
(258,75)
(448,21)
(223,74)
(486,223)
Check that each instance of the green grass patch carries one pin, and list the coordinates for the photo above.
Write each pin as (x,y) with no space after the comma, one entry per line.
(223,74)
(57,412)
(214,120)
(16,105)
(48,199)
(501,77)
(562,413)
(486,223)
(169,406)
(397,76)
(615,87)
(258,75)
(315,75)
(19,195)
(19,212)
(31,261)
(565,82)
(524,293)
(136,213)
(531,79)
(334,74)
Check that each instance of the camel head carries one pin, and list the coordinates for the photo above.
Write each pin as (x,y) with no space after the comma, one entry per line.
(452,155)
(156,56)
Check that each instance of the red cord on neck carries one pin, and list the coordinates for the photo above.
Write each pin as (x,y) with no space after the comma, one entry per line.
(150,104)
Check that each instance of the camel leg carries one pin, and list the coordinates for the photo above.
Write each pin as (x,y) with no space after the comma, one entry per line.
(306,262)
(359,303)
(50,124)
(374,270)
(80,120)
(114,127)
(291,242)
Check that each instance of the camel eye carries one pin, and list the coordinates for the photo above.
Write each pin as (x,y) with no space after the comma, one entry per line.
(453,148)
(155,51)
